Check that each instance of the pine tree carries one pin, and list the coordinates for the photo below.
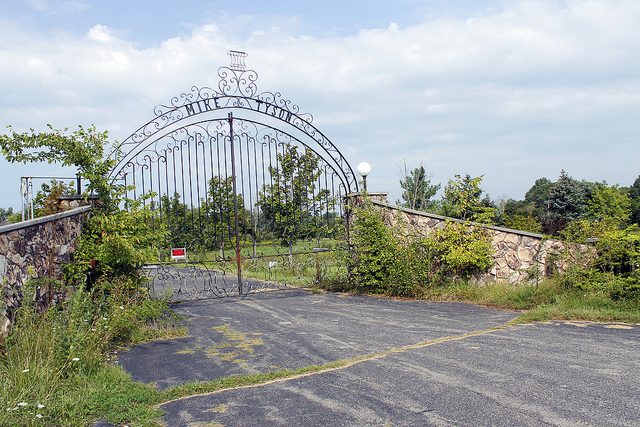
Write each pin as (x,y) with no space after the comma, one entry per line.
(417,189)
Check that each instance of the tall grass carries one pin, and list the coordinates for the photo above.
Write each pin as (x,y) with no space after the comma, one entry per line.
(553,299)
(52,365)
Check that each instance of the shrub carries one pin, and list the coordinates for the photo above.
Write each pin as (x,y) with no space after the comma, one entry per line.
(374,251)
(387,261)
(592,281)
(459,249)
(619,251)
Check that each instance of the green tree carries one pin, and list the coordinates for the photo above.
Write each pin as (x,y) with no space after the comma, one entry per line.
(538,194)
(45,201)
(523,223)
(609,204)
(180,225)
(463,199)
(5,214)
(521,215)
(417,189)
(291,207)
(219,213)
(120,240)
(619,251)
(634,195)
(82,148)
(567,202)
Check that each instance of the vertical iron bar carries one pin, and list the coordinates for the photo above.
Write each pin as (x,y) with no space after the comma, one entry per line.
(190,181)
(240,162)
(235,204)
(30,184)
(219,205)
(253,224)
(144,190)
(210,194)
(198,141)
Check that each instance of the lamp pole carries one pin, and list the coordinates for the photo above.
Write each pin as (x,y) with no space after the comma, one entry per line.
(364,169)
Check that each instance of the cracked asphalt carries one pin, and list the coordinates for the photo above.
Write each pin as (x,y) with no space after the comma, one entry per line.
(540,374)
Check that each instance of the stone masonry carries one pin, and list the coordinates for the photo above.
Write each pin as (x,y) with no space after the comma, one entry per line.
(33,249)
(519,256)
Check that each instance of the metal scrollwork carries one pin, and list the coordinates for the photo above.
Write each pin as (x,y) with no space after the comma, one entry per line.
(236,89)
(250,193)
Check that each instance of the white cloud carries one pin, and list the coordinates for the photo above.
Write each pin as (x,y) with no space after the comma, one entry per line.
(99,33)
(515,95)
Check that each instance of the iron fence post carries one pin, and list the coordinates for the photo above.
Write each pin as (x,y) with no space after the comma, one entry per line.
(235,204)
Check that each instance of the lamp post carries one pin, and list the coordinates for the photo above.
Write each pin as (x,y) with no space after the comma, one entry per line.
(364,169)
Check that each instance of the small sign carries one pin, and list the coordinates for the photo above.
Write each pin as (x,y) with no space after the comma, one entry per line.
(178,253)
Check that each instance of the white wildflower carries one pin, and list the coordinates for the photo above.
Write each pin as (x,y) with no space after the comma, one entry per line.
(38,416)
(75,359)
(22,404)
(122,307)
(25,370)
(40,405)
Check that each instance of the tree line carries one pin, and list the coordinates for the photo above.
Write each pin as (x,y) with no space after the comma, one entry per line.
(566,207)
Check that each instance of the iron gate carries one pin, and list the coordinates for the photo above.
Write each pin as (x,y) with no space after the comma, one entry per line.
(243,182)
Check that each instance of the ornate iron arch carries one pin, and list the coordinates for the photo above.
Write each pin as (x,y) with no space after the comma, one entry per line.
(236,91)
(234,174)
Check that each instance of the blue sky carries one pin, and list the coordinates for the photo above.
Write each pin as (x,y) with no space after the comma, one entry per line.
(514,90)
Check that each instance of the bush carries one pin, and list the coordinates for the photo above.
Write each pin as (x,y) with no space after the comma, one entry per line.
(608,284)
(120,242)
(459,249)
(619,251)
(626,289)
(374,252)
(386,261)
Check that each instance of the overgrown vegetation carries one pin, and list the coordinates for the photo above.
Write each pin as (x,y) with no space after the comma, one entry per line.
(606,216)
(389,261)
(577,295)
(53,364)
(438,267)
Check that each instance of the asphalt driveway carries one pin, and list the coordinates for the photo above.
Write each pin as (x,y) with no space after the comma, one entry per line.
(420,364)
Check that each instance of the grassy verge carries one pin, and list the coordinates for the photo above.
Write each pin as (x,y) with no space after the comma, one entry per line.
(54,366)
(548,301)
(110,394)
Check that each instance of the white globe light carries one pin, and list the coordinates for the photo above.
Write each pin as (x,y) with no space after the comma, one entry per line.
(363,168)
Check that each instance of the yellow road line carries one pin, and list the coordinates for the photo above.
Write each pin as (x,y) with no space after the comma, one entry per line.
(347,363)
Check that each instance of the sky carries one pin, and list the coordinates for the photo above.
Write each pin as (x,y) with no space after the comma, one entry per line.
(512,90)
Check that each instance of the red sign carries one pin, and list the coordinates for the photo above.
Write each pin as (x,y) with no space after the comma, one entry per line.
(178,253)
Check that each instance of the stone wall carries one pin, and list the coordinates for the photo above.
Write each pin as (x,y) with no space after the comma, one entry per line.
(519,256)
(35,248)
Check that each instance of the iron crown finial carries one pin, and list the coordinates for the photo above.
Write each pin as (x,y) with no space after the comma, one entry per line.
(237,60)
